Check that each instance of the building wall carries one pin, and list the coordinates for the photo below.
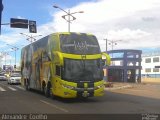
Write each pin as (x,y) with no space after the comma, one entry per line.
(148,66)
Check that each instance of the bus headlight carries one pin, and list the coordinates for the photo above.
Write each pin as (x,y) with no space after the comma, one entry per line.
(99,86)
(68,87)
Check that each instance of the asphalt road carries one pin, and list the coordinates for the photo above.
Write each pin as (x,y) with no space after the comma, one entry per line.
(139,99)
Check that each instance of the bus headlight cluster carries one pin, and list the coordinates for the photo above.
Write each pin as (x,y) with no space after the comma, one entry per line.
(99,86)
(68,87)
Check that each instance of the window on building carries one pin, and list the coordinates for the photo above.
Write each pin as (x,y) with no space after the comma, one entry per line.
(155,69)
(156,59)
(148,70)
(148,60)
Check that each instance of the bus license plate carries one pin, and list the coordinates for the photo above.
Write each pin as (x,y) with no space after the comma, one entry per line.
(85,94)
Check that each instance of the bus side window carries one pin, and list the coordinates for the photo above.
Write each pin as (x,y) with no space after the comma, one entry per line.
(58,70)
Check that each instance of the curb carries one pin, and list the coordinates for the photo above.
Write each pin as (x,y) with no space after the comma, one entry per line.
(121,87)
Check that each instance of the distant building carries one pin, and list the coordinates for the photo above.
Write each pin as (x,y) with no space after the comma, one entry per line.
(151,65)
(7,68)
(147,64)
(125,65)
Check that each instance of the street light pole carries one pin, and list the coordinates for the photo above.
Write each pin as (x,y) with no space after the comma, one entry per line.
(5,54)
(14,48)
(68,20)
(112,43)
(106,44)
(30,38)
(69,14)
(15,54)
(1,56)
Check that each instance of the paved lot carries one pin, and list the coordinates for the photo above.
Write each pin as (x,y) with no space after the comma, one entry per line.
(151,80)
(143,98)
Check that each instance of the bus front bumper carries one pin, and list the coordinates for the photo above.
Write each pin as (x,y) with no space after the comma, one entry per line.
(82,92)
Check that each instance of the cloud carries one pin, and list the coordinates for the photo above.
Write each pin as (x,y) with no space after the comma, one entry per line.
(46,29)
(127,34)
(20,17)
(129,39)
(148,19)
(136,22)
(132,21)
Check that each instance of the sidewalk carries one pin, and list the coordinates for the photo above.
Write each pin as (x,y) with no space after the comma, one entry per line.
(151,80)
(119,85)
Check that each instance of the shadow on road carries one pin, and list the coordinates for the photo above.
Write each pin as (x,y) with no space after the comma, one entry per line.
(110,103)
(75,100)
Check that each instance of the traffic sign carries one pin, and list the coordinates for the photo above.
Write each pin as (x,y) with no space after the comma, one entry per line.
(18,23)
(32,26)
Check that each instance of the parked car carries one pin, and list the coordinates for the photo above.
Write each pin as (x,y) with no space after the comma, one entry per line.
(15,78)
(2,76)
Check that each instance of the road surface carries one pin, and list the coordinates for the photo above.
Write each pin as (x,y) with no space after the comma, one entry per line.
(139,99)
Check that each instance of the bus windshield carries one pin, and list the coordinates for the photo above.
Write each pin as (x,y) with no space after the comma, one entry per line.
(82,71)
(79,44)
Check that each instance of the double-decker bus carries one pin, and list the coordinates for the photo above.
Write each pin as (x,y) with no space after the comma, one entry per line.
(67,65)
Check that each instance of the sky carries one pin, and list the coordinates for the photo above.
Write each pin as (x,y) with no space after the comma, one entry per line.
(131,24)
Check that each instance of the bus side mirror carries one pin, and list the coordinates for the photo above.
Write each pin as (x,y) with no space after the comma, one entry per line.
(58,58)
(108,59)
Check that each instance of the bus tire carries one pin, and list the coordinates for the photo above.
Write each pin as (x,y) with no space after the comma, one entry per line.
(47,90)
(27,84)
(52,95)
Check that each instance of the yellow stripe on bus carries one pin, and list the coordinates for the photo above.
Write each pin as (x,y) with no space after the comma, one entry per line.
(72,56)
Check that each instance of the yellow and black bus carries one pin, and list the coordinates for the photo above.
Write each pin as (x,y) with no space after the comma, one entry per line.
(67,65)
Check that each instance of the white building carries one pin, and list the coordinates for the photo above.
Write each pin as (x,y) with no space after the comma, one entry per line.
(149,63)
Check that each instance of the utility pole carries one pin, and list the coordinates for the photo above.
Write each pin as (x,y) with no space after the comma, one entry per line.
(106,44)
(30,38)
(14,48)
(69,14)
(4,53)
